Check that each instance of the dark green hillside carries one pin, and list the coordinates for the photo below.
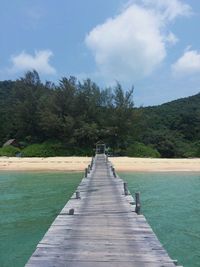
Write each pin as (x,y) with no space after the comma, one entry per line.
(173,128)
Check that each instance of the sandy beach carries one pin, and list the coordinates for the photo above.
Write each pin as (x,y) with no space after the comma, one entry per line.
(155,165)
(80,163)
(44,164)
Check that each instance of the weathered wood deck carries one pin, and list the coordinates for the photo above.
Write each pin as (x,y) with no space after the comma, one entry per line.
(104,230)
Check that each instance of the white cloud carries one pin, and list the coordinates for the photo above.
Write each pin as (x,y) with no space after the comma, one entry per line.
(128,45)
(171,38)
(169,9)
(133,44)
(38,62)
(189,63)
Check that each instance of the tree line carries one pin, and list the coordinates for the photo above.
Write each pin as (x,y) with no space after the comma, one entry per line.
(76,114)
(70,117)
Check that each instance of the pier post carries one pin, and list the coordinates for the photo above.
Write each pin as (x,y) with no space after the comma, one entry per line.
(86,171)
(137,203)
(125,189)
(114,173)
(92,163)
(78,195)
(71,212)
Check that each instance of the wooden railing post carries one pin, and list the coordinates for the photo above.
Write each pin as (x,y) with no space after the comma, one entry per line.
(92,163)
(114,173)
(86,171)
(125,189)
(137,203)
(71,212)
(78,195)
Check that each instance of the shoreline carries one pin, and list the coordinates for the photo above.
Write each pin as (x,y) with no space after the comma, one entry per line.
(50,164)
(126,164)
(78,164)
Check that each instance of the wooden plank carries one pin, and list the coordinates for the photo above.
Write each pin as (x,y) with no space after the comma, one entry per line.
(104,230)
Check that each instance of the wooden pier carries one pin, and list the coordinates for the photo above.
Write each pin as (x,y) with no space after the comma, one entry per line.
(98,227)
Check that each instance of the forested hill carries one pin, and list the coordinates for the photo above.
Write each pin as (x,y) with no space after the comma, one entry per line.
(174,127)
(69,118)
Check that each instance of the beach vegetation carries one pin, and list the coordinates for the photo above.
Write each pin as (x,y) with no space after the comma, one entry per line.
(45,149)
(142,151)
(9,151)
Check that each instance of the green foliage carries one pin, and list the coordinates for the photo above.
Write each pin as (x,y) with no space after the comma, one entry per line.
(141,150)
(52,149)
(78,114)
(43,150)
(197,152)
(83,152)
(173,128)
(193,151)
(75,113)
(9,151)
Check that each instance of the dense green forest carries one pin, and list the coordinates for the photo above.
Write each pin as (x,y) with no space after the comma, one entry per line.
(173,128)
(69,118)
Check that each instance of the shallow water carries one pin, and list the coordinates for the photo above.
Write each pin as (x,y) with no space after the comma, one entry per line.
(29,202)
(171,204)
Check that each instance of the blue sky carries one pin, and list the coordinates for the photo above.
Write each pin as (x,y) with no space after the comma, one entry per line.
(151,44)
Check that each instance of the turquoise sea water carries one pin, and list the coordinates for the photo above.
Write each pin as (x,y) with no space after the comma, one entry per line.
(29,202)
(171,204)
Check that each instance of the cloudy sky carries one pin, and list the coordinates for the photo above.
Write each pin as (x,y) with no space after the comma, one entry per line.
(151,44)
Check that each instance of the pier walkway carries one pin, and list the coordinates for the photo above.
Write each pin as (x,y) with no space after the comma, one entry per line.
(104,230)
